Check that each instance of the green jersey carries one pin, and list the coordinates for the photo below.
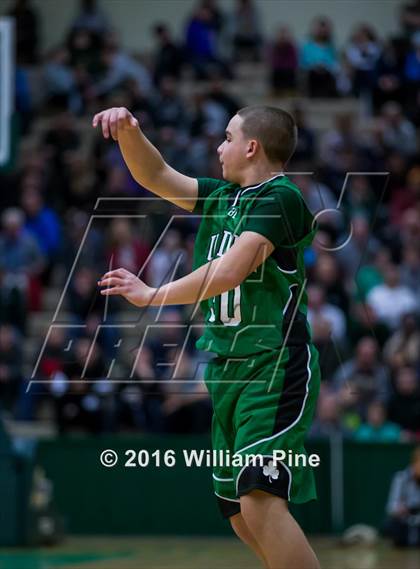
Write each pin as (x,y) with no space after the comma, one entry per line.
(268,309)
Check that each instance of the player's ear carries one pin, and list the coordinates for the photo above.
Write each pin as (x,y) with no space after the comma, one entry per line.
(252,148)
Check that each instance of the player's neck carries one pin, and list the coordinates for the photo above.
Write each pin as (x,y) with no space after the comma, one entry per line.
(257,175)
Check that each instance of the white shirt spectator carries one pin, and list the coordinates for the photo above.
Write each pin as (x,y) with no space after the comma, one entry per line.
(390,303)
(334,316)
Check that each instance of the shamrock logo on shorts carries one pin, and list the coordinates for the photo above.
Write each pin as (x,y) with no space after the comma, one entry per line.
(271,471)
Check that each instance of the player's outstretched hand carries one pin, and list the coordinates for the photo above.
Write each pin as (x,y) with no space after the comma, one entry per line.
(122,282)
(114,120)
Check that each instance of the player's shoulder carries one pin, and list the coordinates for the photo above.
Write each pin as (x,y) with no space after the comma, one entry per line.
(282,189)
(285,196)
(209,185)
(283,185)
(210,188)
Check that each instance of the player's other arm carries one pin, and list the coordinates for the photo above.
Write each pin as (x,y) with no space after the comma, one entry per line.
(222,274)
(144,161)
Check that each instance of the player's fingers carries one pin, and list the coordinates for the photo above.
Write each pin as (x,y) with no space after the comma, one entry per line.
(134,122)
(113,281)
(105,123)
(97,118)
(124,271)
(122,118)
(115,273)
(113,291)
(113,123)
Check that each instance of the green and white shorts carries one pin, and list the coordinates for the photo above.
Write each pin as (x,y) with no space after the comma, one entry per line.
(263,404)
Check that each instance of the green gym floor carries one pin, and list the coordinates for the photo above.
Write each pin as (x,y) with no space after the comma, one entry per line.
(192,553)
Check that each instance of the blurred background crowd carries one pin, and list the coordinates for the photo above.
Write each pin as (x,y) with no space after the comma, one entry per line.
(363,267)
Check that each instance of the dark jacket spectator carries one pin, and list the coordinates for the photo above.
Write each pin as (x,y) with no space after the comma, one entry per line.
(169,58)
(27,32)
(10,366)
(283,55)
(404,403)
(403,508)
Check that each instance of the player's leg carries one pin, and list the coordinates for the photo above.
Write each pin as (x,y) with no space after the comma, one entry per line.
(277,419)
(283,543)
(242,531)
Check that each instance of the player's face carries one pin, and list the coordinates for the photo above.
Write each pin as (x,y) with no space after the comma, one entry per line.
(233,150)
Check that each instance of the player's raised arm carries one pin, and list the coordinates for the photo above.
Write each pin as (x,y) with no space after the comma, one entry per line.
(144,160)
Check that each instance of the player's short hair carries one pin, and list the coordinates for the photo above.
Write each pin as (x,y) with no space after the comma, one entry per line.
(274,128)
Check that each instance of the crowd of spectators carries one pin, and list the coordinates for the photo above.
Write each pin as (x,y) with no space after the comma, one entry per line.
(363,267)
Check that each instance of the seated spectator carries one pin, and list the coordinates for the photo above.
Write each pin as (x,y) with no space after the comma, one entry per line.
(85,48)
(119,182)
(377,428)
(168,57)
(21,261)
(321,314)
(388,84)
(404,403)
(403,507)
(52,359)
(83,296)
(120,67)
(218,93)
(187,404)
(61,138)
(328,275)
(139,404)
(79,404)
(60,81)
(410,17)
(166,263)
(170,334)
(391,299)
(246,31)
(305,149)
(174,147)
(283,59)
(336,140)
(203,149)
(328,327)
(360,198)
(398,132)
(126,250)
(217,17)
(397,165)
(361,380)
(362,53)
(208,120)
(410,269)
(363,321)
(318,197)
(412,72)
(327,421)
(60,141)
(92,253)
(409,229)
(318,60)
(405,197)
(81,192)
(371,274)
(201,45)
(169,107)
(10,366)
(361,248)
(403,347)
(91,18)
(44,225)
